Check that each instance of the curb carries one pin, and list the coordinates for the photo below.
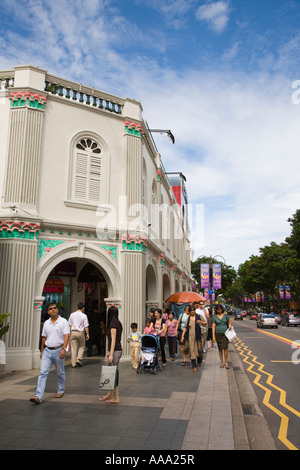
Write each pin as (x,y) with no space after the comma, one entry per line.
(251,430)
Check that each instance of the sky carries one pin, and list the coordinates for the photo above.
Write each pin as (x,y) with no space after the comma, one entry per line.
(222,75)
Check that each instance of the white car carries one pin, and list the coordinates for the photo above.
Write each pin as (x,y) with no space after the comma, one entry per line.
(266,320)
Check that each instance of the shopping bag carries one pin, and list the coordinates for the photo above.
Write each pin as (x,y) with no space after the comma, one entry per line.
(230,334)
(108,378)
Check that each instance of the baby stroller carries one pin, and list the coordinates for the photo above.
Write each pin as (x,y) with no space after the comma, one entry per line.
(149,354)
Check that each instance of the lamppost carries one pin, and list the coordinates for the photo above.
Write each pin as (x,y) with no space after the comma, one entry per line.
(210,284)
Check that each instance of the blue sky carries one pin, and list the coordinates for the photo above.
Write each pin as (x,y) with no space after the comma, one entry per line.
(219,74)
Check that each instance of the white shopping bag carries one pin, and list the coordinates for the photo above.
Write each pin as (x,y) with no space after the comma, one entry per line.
(230,334)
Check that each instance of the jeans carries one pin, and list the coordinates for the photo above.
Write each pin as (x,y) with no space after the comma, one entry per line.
(51,356)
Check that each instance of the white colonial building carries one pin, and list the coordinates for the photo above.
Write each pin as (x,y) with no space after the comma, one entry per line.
(87,209)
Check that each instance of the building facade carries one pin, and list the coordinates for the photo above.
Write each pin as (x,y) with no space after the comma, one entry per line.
(87,210)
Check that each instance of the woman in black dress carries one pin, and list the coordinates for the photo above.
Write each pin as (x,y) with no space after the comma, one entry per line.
(114,334)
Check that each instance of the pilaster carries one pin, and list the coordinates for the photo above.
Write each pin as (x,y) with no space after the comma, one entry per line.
(133,259)
(18,254)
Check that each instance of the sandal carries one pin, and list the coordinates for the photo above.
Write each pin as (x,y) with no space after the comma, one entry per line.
(227,366)
(195,369)
(188,363)
(183,363)
(221,366)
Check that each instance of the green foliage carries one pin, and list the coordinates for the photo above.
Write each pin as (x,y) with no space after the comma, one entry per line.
(277,264)
(3,328)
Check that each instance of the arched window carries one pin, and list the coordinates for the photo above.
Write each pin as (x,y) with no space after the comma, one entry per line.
(87,169)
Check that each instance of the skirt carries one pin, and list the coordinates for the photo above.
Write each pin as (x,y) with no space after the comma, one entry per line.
(221,340)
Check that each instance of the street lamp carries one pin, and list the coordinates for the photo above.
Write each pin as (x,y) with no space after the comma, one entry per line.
(210,266)
(163,131)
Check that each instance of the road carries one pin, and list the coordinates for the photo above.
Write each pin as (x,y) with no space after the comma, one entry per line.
(271,358)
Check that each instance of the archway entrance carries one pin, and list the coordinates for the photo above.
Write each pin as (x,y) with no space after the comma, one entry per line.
(78,280)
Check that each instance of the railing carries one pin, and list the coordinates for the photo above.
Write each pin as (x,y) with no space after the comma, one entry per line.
(82,94)
(7,78)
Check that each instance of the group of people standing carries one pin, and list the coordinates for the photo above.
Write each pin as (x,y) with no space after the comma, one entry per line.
(192,329)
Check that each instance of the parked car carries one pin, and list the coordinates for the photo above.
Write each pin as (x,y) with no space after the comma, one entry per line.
(290,319)
(266,319)
(253,316)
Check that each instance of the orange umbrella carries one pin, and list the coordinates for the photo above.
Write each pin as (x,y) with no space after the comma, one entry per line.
(185,296)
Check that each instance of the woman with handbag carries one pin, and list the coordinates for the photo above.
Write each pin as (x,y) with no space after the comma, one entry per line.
(221,322)
(192,337)
(114,334)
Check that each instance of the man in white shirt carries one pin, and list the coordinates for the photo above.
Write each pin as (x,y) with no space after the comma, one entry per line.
(79,329)
(203,312)
(55,339)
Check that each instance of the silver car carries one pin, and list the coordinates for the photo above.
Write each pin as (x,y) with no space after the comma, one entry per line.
(266,320)
(290,319)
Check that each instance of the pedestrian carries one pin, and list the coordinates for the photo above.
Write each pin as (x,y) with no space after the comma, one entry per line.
(55,339)
(192,337)
(209,338)
(94,319)
(134,339)
(179,329)
(114,335)
(79,330)
(151,314)
(147,327)
(160,327)
(203,312)
(221,322)
(171,332)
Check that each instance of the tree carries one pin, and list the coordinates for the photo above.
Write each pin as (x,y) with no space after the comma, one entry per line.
(294,239)
(3,329)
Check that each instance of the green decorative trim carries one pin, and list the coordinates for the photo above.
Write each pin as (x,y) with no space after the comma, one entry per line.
(38,305)
(46,245)
(18,229)
(133,128)
(111,250)
(134,243)
(20,99)
(113,304)
(161,259)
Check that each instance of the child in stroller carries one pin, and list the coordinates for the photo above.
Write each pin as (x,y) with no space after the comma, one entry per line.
(149,354)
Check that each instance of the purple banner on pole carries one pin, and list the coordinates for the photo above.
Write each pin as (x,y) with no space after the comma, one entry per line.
(281,292)
(287,292)
(217,276)
(204,276)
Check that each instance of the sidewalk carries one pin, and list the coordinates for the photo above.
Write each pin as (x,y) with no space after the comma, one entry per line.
(177,409)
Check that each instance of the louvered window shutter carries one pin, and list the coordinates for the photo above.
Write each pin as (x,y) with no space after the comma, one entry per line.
(87,171)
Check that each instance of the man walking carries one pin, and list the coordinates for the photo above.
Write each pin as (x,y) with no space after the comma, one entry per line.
(79,329)
(55,339)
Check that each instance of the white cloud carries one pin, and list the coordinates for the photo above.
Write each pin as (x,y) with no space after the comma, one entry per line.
(236,134)
(216,14)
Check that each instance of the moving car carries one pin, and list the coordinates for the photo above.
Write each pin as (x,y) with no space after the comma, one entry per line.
(290,319)
(238,316)
(253,316)
(266,320)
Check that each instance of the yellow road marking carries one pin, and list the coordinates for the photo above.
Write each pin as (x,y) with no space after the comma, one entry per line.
(293,362)
(283,429)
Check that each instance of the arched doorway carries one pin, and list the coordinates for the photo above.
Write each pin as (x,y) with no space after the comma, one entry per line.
(52,267)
